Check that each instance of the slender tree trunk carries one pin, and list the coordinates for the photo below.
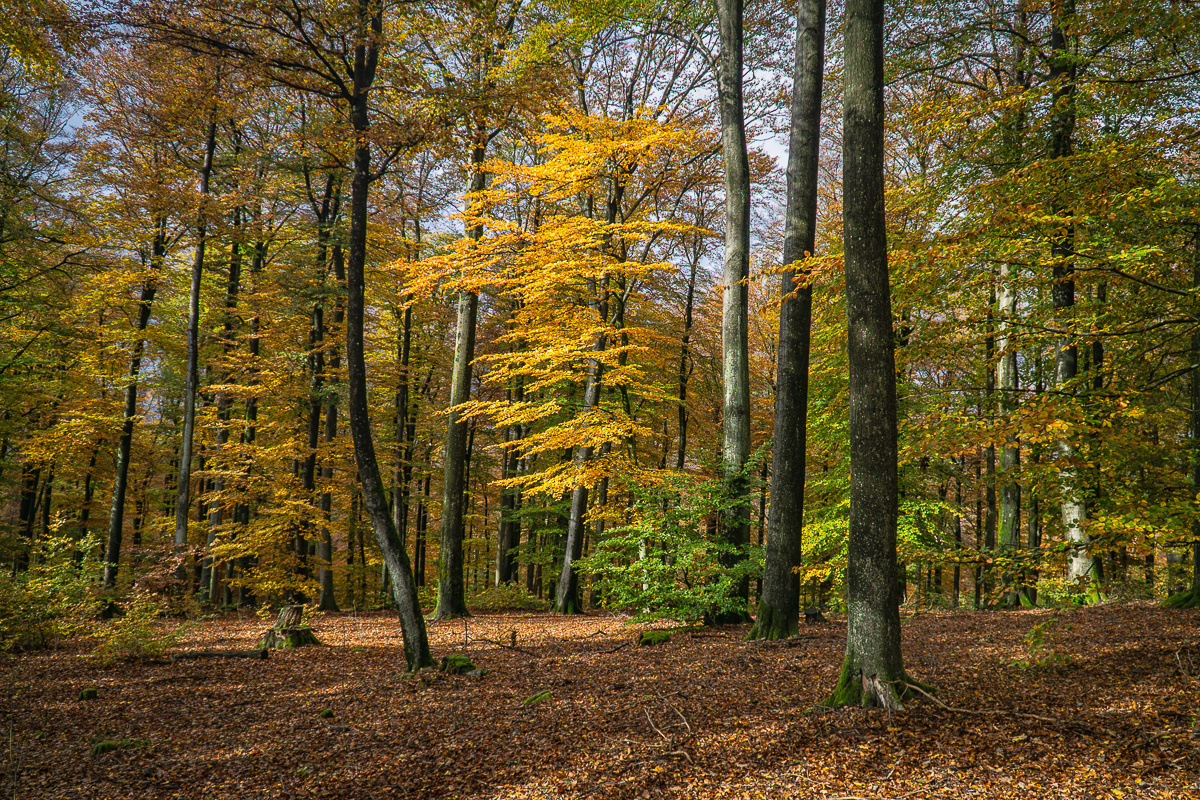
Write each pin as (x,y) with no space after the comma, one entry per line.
(328,598)
(210,582)
(1190,598)
(735,360)
(507,568)
(779,609)
(1006,379)
(873,669)
(116,513)
(412,623)
(685,364)
(184,485)
(1062,249)
(451,597)
(567,599)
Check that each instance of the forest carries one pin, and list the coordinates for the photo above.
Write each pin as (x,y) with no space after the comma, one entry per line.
(701,313)
(591,348)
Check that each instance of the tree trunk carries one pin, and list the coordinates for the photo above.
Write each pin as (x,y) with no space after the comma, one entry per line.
(416,641)
(451,597)
(779,609)
(510,499)
(116,512)
(328,598)
(1006,380)
(1062,249)
(735,360)
(567,600)
(873,669)
(1191,597)
(184,485)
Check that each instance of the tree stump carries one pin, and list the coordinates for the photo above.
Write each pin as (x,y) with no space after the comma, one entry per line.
(288,631)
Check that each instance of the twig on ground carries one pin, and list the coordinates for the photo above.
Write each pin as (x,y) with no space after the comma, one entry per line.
(987,712)
(505,646)
(655,727)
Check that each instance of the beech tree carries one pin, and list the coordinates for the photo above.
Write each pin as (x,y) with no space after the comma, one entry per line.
(779,609)
(735,369)
(873,669)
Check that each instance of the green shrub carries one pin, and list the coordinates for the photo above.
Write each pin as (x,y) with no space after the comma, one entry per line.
(138,635)
(53,599)
(506,597)
(664,565)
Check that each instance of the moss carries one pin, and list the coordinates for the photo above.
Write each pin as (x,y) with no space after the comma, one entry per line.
(326,713)
(107,745)
(91,693)
(650,638)
(771,626)
(456,664)
(849,689)
(1188,599)
(535,699)
(287,638)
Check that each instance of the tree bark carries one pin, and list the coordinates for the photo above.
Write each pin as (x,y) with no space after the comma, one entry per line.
(452,600)
(116,512)
(1062,249)
(779,609)
(873,669)
(735,360)
(412,624)
(1190,598)
(183,487)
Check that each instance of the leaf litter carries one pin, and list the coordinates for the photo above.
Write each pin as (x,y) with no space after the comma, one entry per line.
(1113,714)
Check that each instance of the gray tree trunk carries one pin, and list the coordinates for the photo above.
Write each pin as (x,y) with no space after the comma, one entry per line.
(873,668)
(210,577)
(779,609)
(452,601)
(735,360)
(184,486)
(567,599)
(116,512)
(1062,249)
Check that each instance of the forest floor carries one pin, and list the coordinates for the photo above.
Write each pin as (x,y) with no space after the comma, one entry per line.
(706,715)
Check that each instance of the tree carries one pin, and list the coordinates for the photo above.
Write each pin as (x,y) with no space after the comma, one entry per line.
(873,669)
(331,53)
(779,609)
(735,358)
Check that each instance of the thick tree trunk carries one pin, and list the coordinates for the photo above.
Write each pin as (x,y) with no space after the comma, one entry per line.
(412,624)
(183,487)
(873,669)
(779,609)
(735,360)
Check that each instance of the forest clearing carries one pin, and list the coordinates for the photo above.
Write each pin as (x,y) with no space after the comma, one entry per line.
(1107,709)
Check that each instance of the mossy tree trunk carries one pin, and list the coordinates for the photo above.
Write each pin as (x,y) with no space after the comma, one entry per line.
(873,669)
(289,631)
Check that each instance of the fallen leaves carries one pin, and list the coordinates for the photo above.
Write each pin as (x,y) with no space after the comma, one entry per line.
(701,716)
